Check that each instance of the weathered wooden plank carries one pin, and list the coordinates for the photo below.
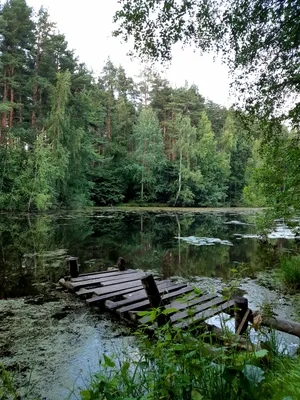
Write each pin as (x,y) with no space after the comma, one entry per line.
(108,282)
(93,300)
(163,284)
(98,299)
(210,312)
(140,305)
(181,305)
(184,314)
(111,305)
(116,287)
(97,290)
(115,279)
(102,274)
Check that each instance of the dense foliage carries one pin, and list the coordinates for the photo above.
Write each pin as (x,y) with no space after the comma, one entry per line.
(70,140)
(259,40)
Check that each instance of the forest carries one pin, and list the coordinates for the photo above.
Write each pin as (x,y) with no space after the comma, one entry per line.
(69,139)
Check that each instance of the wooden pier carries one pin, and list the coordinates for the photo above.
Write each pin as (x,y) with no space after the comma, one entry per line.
(127,292)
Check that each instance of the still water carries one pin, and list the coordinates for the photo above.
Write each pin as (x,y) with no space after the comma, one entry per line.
(54,340)
(34,248)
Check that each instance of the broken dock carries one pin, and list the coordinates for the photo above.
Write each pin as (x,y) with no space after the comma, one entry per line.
(127,292)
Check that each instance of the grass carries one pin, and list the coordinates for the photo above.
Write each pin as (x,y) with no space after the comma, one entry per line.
(290,271)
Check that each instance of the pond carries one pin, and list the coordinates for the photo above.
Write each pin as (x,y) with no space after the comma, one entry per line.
(54,339)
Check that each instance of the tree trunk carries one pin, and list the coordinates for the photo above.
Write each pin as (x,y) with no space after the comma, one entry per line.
(12,99)
(20,108)
(179,178)
(108,122)
(11,113)
(173,141)
(3,119)
(35,87)
(142,188)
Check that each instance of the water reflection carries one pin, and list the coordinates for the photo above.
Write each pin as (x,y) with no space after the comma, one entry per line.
(33,248)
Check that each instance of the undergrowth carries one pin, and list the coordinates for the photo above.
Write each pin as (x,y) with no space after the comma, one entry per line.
(181,365)
(290,270)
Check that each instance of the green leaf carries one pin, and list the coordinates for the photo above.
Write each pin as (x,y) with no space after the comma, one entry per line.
(85,395)
(196,395)
(170,311)
(254,374)
(197,291)
(125,367)
(143,313)
(109,362)
(261,353)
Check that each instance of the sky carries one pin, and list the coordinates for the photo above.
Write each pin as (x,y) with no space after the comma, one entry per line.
(88,28)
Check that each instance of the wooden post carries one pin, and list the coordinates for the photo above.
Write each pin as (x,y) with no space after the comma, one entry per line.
(73,266)
(121,264)
(241,305)
(154,297)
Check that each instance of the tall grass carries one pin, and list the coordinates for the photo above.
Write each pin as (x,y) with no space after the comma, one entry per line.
(290,271)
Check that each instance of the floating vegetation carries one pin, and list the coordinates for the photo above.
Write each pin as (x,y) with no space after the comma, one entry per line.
(204,241)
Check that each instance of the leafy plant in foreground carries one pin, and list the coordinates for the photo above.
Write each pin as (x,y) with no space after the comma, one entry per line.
(178,365)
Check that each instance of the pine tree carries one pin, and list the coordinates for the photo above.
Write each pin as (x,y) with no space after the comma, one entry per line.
(16,30)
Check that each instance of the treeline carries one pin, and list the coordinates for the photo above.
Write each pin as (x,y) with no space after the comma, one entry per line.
(70,140)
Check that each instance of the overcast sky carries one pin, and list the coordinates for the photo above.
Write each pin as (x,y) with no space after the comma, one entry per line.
(87,26)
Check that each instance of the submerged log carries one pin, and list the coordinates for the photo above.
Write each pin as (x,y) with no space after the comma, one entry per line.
(293,328)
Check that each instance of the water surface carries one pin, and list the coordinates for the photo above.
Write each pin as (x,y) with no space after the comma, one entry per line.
(56,340)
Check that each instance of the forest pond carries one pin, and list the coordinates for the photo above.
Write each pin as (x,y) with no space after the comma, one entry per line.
(55,341)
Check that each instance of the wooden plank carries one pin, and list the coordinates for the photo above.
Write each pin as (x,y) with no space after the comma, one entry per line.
(111,305)
(145,303)
(117,287)
(82,292)
(97,299)
(115,279)
(204,315)
(110,281)
(209,304)
(181,305)
(103,274)
(133,291)
(163,284)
